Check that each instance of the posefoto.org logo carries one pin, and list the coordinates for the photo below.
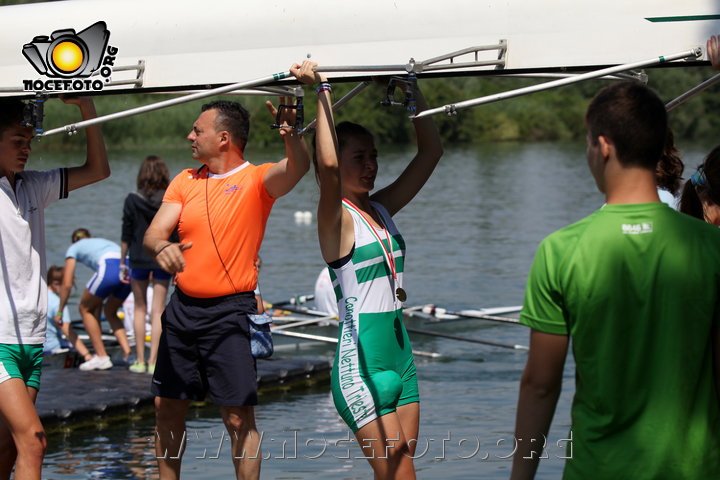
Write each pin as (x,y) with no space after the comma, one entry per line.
(69,58)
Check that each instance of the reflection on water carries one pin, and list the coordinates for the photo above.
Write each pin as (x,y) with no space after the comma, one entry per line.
(471,236)
(106,452)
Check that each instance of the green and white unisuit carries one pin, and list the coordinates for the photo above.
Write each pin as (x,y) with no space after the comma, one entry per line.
(374,371)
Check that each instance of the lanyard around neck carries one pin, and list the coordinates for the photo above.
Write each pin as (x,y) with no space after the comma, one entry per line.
(387,252)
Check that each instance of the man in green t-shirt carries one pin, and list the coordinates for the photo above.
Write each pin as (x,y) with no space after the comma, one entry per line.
(635,285)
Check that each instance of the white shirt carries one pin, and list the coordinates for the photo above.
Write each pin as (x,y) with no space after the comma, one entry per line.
(325,300)
(23,301)
(667,197)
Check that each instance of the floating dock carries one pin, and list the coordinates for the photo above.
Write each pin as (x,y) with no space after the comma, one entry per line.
(69,395)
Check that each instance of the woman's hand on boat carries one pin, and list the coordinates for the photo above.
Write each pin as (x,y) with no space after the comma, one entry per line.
(305,73)
(713,51)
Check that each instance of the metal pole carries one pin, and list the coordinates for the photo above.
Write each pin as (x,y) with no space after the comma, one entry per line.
(339,104)
(320,338)
(453,108)
(166,103)
(692,92)
(365,68)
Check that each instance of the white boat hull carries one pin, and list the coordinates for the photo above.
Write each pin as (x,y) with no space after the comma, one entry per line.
(186,45)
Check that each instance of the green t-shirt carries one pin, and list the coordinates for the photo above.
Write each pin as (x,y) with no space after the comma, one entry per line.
(636,287)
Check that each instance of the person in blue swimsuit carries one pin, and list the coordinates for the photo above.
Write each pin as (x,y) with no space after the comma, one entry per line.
(103,257)
(373,380)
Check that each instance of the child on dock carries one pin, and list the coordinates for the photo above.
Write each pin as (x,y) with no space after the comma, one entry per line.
(60,333)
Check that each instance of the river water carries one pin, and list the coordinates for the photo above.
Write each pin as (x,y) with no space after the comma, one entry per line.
(471,236)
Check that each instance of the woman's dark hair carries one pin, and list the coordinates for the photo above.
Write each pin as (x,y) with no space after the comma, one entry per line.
(55,273)
(344,131)
(153,176)
(703,185)
(668,173)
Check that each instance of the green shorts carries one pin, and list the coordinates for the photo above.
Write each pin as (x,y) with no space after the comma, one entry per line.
(21,361)
(374,370)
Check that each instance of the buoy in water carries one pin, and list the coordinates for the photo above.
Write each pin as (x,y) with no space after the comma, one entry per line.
(303,217)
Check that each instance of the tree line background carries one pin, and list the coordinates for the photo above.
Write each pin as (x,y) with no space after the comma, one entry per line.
(554,115)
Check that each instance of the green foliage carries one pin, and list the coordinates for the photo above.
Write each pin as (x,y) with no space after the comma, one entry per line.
(546,116)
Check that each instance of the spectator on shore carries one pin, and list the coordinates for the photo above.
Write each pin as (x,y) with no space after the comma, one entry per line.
(138,211)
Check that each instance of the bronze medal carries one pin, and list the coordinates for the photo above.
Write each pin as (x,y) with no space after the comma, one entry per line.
(401,295)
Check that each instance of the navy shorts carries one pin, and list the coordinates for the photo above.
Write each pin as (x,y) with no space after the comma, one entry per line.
(143,274)
(205,348)
(106,281)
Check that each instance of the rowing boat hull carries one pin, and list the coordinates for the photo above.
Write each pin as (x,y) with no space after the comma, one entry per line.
(188,45)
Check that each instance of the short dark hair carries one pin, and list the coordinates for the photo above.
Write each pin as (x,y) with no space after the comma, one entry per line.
(79,234)
(11,113)
(233,117)
(633,118)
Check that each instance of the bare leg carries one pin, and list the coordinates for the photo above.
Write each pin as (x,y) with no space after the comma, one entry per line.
(20,426)
(410,420)
(8,452)
(170,435)
(160,289)
(386,447)
(111,307)
(139,290)
(240,424)
(89,305)
(75,341)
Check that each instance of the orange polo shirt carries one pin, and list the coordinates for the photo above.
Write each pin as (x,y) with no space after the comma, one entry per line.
(236,206)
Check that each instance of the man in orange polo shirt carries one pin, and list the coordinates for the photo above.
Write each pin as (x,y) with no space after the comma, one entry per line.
(220,211)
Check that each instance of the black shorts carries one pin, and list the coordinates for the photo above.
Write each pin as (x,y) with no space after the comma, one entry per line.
(205,347)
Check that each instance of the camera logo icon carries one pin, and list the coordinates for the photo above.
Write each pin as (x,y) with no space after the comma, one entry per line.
(67,54)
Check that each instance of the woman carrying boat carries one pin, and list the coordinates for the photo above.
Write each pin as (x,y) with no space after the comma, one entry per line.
(373,380)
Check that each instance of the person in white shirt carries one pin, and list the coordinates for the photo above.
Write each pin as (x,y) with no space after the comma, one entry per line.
(24,195)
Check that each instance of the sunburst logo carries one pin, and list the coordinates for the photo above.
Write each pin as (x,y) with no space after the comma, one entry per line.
(71,56)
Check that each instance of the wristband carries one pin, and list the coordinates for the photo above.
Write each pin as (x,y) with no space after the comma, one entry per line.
(163,248)
(323,87)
